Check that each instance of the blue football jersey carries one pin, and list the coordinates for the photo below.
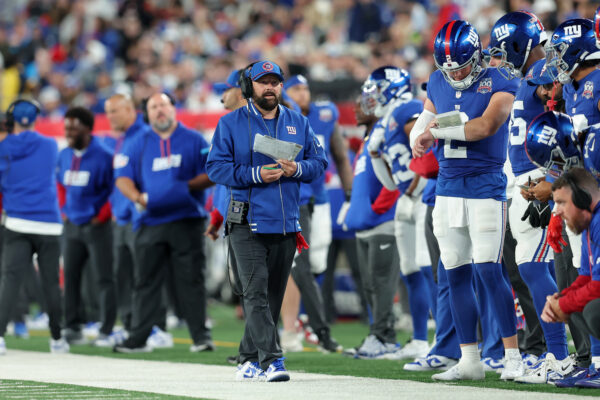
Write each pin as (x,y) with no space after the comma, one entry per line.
(581,100)
(526,107)
(471,169)
(322,117)
(396,147)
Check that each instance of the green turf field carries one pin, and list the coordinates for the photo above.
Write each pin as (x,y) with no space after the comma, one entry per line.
(227,331)
(10,389)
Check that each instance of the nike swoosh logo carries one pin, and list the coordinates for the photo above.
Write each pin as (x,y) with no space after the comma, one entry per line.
(384,246)
(434,363)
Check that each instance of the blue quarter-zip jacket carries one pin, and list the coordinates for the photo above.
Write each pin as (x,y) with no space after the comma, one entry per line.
(231,162)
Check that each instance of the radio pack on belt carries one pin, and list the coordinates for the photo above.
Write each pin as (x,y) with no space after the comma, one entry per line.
(238,212)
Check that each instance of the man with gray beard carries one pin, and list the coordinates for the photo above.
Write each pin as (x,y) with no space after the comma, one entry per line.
(163,173)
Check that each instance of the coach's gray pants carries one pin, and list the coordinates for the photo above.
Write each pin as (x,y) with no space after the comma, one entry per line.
(311,294)
(379,271)
(263,262)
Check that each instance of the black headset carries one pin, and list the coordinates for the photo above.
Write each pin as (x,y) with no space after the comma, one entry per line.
(144,105)
(581,198)
(246,81)
(10,117)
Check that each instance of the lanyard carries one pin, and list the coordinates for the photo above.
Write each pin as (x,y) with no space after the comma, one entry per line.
(167,150)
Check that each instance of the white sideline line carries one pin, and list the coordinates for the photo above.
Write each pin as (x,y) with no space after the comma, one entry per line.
(216,382)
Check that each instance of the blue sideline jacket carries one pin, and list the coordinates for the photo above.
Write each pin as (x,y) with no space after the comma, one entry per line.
(231,162)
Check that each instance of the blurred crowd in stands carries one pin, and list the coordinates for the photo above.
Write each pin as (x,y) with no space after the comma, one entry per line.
(79,52)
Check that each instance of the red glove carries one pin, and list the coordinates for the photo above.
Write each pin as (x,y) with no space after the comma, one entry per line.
(300,242)
(216,219)
(554,235)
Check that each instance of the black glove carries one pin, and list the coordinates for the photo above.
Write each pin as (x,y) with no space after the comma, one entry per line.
(539,214)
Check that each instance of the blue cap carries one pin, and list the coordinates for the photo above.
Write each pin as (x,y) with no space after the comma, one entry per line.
(24,112)
(294,80)
(263,68)
(233,81)
(541,74)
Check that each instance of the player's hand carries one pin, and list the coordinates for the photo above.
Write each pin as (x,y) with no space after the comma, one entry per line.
(289,168)
(270,173)
(212,232)
(542,191)
(424,141)
(527,195)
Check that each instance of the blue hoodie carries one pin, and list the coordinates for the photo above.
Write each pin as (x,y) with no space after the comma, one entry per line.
(28,165)
(88,181)
(162,168)
(231,162)
(122,208)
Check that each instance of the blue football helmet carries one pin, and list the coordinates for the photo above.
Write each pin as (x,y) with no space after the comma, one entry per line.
(552,143)
(381,87)
(512,39)
(572,42)
(457,46)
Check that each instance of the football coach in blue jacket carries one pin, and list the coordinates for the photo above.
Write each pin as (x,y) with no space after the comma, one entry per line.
(262,219)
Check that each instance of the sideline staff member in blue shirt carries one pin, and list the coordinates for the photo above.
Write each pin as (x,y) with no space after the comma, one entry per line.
(33,223)
(163,172)
(262,219)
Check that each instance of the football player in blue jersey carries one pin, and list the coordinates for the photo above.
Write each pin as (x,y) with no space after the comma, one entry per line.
(467,111)
(517,40)
(386,94)
(315,214)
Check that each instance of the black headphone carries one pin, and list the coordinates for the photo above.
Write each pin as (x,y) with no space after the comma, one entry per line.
(581,198)
(144,105)
(10,117)
(246,81)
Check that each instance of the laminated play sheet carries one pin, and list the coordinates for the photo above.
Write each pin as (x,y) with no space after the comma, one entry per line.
(448,119)
(275,148)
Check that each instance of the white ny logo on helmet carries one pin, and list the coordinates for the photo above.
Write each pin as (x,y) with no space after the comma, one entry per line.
(548,136)
(501,32)
(572,31)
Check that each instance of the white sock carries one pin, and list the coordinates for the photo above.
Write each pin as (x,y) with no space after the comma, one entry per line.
(469,353)
(512,354)
(596,361)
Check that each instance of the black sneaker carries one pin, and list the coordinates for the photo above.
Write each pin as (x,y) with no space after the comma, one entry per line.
(327,344)
(200,347)
(129,347)
(234,360)
(74,337)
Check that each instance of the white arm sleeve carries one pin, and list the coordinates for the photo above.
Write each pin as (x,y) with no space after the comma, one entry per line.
(382,173)
(420,124)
